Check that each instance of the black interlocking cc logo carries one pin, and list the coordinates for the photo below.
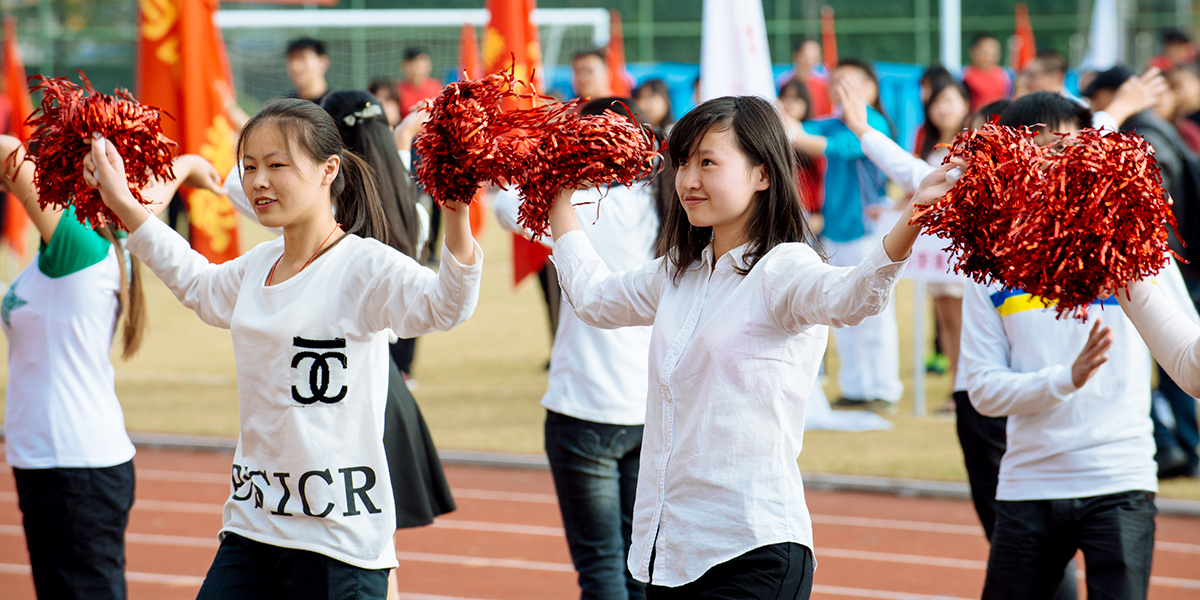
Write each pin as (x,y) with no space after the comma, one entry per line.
(319,374)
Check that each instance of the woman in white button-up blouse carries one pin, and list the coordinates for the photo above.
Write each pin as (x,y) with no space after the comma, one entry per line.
(739,304)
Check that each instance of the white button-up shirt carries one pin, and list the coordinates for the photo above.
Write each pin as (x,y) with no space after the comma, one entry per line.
(733,359)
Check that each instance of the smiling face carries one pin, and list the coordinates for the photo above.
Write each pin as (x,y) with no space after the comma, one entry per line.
(948,110)
(717,186)
(285,188)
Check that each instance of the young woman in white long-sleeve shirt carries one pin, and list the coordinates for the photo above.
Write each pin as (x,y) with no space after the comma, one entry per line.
(66,439)
(311,513)
(739,306)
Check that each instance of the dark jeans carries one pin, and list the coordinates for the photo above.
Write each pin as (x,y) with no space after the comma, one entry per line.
(75,529)
(595,467)
(984,440)
(1035,538)
(244,569)
(774,572)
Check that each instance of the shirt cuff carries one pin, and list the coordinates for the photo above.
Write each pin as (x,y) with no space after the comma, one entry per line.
(570,248)
(448,260)
(883,266)
(1061,383)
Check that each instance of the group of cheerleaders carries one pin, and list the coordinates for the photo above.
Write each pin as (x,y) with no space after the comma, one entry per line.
(739,304)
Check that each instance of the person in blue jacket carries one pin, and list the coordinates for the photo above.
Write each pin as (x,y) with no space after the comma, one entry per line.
(869,373)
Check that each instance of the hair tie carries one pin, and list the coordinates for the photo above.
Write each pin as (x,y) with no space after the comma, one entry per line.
(371,111)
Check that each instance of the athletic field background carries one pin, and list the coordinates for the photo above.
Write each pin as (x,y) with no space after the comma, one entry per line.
(480,385)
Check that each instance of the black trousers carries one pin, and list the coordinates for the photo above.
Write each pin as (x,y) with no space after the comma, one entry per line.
(75,523)
(244,569)
(1033,539)
(773,572)
(984,440)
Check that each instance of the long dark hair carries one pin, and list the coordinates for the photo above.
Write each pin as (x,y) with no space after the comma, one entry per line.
(867,70)
(930,135)
(305,125)
(363,126)
(776,217)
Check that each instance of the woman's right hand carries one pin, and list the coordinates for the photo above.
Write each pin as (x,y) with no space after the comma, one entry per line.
(104,171)
(1093,355)
(854,105)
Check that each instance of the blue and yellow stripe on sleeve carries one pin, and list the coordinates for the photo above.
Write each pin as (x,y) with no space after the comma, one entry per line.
(1010,302)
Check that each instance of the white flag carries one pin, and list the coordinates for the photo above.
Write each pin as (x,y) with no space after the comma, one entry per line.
(734,57)
(1105,37)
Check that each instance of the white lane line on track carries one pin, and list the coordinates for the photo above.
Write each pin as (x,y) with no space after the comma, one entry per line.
(183,476)
(408,596)
(1177,547)
(897,524)
(499,527)
(479,561)
(911,559)
(885,595)
(506,496)
(161,578)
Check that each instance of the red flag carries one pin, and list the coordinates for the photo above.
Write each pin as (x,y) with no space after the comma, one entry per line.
(1024,49)
(618,79)
(16,222)
(511,35)
(182,69)
(472,68)
(828,38)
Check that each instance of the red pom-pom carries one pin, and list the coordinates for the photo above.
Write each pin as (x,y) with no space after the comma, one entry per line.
(470,139)
(1098,221)
(1066,223)
(65,121)
(977,214)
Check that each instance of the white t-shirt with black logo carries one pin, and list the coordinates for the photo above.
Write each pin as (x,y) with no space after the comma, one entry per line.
(310,471)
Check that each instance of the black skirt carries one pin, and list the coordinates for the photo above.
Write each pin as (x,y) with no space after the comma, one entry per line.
(418,483)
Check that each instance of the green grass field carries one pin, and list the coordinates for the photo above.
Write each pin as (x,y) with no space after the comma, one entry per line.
(480,384)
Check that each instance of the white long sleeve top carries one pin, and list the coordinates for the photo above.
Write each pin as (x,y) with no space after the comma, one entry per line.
(1170,330)
(1063,441)
(310,472)
(733,359)
(597,374)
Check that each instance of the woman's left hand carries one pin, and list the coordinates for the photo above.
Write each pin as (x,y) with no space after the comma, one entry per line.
(197,172)
(938,182)
(104,171)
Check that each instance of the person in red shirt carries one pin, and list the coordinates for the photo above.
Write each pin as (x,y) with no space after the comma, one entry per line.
(984,77)
(416,84)
(1177,50)
(806,59)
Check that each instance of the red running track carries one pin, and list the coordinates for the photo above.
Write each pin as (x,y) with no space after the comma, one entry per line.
(505,540)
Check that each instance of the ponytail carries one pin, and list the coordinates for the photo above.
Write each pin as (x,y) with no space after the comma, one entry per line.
(356,202)
(131,300)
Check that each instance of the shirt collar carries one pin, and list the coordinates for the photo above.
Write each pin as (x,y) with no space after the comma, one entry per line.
(731,259)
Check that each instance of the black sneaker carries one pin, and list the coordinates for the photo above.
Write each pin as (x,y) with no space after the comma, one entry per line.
(845,402)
